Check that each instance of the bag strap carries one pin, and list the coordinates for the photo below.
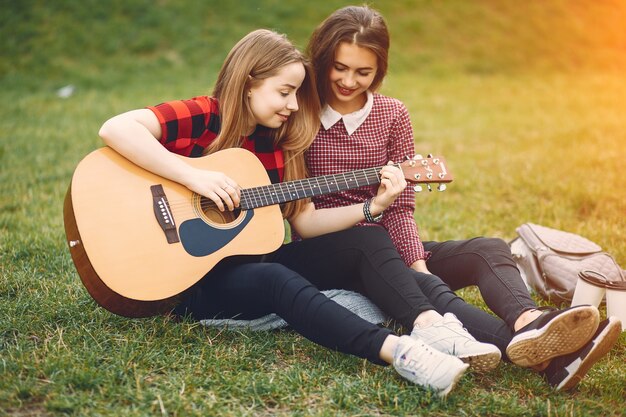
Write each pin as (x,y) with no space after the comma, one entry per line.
(599,279)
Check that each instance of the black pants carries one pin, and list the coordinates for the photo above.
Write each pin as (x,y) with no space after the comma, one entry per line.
(362,259)
(253,289)
(488,264)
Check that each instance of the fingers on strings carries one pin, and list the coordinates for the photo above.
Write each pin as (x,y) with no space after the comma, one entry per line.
(227,196)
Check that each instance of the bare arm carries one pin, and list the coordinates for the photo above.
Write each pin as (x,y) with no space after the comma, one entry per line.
(135,135)
(312,222)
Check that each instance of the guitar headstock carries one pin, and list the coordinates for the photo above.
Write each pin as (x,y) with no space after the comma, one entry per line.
(420,170)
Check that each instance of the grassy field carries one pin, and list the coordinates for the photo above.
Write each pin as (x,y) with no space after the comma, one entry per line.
(526,101)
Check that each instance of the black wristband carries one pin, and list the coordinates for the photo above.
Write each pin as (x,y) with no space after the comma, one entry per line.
(368,214)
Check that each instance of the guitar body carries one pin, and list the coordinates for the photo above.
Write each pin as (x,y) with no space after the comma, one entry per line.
(133,260)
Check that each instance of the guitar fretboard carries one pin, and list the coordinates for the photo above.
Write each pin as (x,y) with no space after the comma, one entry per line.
(283,192)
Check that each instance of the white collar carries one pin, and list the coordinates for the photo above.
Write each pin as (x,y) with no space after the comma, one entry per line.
(351,121)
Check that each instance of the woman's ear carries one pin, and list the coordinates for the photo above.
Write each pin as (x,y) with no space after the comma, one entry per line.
(249,84)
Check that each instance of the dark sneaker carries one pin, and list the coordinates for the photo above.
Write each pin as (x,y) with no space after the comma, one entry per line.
(554,333)
(565,372)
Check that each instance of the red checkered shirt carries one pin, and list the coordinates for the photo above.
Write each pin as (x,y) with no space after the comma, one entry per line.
(189,126)
(385,135)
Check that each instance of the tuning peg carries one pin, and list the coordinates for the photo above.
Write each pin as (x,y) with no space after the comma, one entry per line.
(410,161)
(430,155)
(417,188)
(417,156)
(441,187)
(429,187)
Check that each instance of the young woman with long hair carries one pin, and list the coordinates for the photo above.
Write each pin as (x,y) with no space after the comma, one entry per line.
(360,128)
(265,100)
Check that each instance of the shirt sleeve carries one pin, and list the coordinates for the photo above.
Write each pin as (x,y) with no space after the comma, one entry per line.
(399,218)
(187,126)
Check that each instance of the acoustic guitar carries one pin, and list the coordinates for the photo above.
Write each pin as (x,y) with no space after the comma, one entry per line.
(138,240)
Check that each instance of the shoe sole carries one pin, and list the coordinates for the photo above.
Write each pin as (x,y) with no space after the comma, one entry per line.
(483,363)
(565,334)
(607,339)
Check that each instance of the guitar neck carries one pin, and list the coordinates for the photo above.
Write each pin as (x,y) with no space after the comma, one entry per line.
(284,192)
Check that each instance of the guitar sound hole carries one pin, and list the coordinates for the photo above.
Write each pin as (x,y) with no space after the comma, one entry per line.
(214,214)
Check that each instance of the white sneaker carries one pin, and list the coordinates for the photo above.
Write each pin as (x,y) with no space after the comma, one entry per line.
(420,364)
(448,336)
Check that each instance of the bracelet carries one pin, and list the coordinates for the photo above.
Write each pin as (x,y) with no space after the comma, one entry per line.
(368,214)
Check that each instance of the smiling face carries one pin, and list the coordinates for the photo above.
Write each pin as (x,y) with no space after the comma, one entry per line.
(273,99)
(351,75)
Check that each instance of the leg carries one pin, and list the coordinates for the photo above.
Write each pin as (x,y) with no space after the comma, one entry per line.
(364,259)
(483,326)
(361,259)
(250,291)
(487,263)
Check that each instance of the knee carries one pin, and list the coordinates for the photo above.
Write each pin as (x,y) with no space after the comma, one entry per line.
(366,232)
(372,238)
(276,278)
(494,251)
(489,245)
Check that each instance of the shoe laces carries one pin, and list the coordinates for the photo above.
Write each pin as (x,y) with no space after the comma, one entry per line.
(410,363)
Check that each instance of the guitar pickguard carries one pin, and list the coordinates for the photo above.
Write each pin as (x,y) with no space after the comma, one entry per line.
(201,239)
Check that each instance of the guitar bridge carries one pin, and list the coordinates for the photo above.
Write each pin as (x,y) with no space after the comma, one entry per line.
(162,212)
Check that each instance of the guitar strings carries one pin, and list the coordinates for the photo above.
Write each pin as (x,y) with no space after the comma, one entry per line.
(278,193)
(294,190)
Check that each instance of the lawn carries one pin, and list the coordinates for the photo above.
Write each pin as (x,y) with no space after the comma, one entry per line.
(526,102)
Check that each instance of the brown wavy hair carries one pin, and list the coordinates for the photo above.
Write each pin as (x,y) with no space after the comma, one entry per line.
(260,55)
(358,25)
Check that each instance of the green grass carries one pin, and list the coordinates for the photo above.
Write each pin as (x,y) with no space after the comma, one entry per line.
(526,102)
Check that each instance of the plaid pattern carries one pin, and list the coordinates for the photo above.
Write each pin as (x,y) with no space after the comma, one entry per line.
(385,135)
(189,126)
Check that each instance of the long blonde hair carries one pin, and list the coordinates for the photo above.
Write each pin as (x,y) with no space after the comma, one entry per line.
(260,55)
(355,25)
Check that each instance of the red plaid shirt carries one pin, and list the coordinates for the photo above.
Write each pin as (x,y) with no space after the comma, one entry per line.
(385,135)
(189,126)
